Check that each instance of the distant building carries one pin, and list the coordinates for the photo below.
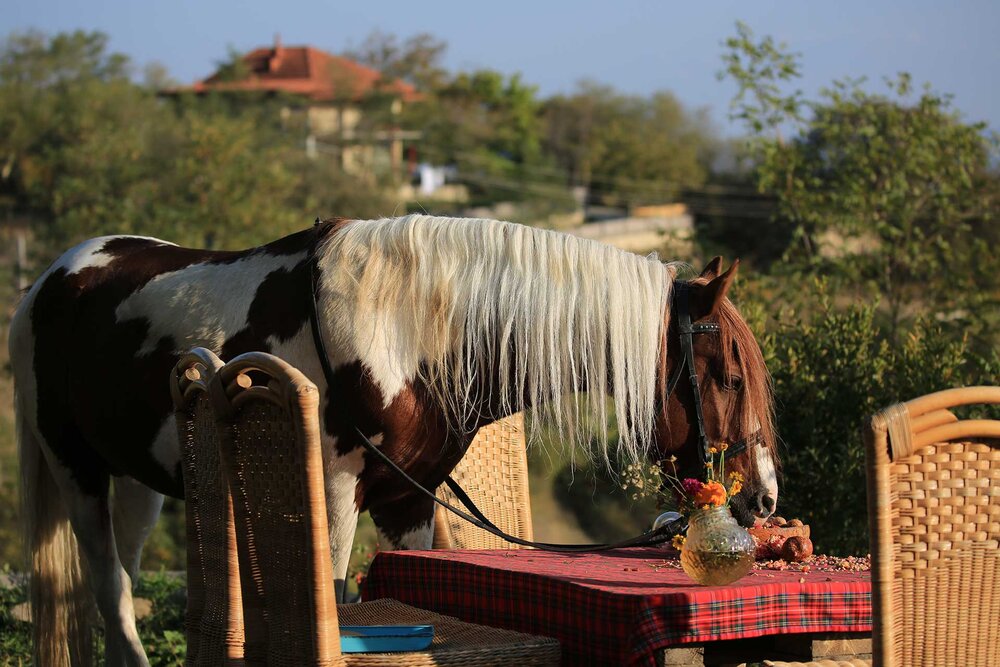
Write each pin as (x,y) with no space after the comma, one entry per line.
(335,96)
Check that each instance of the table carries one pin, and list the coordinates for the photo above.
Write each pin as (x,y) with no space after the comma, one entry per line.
(622,607)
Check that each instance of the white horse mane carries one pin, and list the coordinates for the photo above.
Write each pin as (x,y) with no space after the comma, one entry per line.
(558,312)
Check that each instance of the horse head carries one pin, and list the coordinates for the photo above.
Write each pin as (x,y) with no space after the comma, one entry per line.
(733,403)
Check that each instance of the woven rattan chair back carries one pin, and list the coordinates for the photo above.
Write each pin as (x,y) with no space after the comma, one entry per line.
(494,472)
(271,452)
(214,615)
(933,484)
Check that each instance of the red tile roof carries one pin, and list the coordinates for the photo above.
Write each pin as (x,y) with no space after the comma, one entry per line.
(307,71)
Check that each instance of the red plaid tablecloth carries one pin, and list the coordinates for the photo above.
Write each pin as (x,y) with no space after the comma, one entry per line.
(621,607)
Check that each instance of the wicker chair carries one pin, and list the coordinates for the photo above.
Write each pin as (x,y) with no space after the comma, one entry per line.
(935,532)
(494,472)
(271,453)
(214,614)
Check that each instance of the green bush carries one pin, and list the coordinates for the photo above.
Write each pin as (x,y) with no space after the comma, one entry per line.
(166,546)
(832,369)
(15,636)
(162,632)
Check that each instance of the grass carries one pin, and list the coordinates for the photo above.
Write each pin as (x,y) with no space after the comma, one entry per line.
(15,636)
(162,632)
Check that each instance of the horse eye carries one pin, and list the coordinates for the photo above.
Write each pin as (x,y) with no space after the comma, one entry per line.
(733,383)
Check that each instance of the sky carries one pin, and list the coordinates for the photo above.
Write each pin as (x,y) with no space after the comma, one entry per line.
(638,47)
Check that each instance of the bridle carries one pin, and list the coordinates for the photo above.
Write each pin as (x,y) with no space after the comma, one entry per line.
(651,538)
(687,330)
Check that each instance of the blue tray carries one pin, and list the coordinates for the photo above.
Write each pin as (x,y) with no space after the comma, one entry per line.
(385,638)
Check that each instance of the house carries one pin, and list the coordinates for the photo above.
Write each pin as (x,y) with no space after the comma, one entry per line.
(344,108)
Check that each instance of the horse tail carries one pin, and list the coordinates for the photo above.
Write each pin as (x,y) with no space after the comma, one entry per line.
(60,604)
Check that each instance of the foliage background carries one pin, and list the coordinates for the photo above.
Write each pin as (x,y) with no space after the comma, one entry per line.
(866,219)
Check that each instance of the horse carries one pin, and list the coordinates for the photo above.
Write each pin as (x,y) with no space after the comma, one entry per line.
(431,326)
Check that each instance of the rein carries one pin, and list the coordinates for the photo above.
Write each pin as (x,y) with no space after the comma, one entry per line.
(650,538)
(475,516)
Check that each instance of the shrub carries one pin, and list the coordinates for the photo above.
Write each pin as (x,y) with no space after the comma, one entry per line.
(833,369)
(162,632)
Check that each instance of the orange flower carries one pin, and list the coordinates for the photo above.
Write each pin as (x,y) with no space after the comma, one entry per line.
(712,493)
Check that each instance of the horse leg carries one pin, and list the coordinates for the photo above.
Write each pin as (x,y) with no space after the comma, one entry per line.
(342,514)
(407,523)
(90,517)
(341,546)
(136,509)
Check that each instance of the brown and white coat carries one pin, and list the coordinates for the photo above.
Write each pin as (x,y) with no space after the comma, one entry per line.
(433,326)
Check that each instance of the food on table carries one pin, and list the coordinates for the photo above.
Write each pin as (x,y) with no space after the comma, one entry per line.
(769,547)
(817,564)
(772,535)
(797,549)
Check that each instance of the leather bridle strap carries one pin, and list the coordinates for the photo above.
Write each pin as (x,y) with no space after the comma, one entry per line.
(686,332)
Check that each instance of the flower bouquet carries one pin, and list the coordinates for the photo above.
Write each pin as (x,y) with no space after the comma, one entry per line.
(716,549)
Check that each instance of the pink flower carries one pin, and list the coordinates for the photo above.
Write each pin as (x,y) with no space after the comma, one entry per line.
(691,486)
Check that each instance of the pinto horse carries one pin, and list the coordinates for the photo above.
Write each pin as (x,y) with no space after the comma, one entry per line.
(432,326)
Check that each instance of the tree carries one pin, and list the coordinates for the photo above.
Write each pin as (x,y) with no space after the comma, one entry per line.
(55,96)
(884,189)
(84,151)
(233,67)
(488,125)
(760,69)
(631,148)
(486,113)
(156,77)
(572,125)
(417,60)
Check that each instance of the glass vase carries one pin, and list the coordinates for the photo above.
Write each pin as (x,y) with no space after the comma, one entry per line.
(717,550)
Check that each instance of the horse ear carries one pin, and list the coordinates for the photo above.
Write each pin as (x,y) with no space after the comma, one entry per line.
(713,268)
(709,297)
